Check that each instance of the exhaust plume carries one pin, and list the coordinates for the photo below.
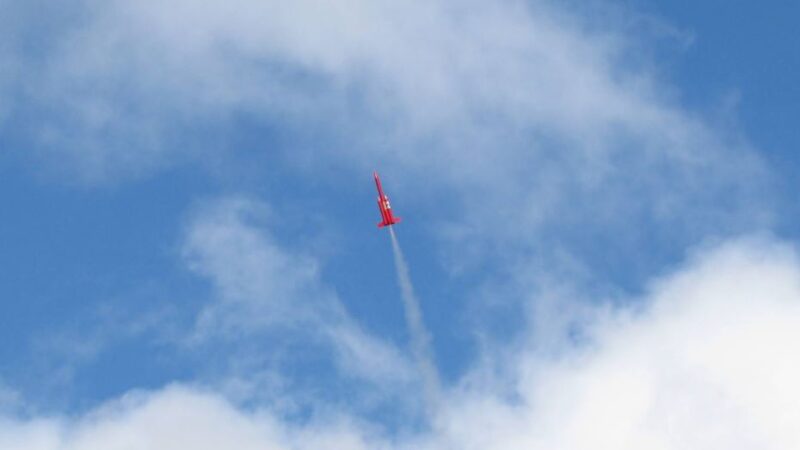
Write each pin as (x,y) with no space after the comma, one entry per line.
(420,338)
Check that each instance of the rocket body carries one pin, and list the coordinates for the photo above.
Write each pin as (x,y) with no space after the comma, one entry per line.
(387,217)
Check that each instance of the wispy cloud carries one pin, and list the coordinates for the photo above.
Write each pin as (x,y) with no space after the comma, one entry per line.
(529,118)
(263,288)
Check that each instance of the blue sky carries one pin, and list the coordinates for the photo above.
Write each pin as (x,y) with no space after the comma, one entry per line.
(598,216)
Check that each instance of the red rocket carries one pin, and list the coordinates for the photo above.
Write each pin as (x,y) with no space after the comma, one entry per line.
(387,218)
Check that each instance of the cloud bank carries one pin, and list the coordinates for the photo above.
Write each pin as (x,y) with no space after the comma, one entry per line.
(705,361)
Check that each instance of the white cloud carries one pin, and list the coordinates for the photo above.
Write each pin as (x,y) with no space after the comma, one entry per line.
(705,360)
(250,270)
(530,125)
(261,286)
(528,115)
(176,417)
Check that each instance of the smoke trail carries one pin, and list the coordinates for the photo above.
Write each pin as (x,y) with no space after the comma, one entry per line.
(420,338)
